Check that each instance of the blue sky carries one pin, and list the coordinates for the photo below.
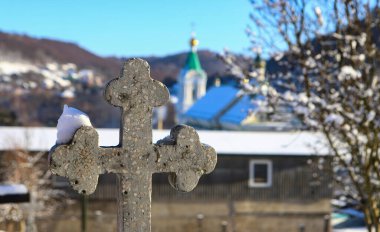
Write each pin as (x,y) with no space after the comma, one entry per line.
(131,27)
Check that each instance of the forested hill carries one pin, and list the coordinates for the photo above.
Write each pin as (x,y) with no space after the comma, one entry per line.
(39,51)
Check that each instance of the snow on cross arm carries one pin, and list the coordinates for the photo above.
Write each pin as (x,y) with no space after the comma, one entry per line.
(69,122)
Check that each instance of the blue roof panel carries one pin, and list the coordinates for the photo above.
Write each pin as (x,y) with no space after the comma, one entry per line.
(215,100)
(239,111)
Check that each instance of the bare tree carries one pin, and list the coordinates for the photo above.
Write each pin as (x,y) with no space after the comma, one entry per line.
(324,65)
(22,167)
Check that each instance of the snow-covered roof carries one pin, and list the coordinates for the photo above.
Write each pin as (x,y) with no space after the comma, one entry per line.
(215,100)
(227,107)
(239,111)
(12,189)
(361,229)
(225,142)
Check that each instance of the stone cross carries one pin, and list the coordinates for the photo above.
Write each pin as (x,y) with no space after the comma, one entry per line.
(135,159)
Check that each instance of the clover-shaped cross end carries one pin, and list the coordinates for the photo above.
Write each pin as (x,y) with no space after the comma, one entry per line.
(134,87)
(78,161)
(188,158)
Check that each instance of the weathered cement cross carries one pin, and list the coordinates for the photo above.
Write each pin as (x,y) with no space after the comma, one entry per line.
(135,159)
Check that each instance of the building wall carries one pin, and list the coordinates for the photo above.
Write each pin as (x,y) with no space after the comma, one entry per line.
(245,216)
(294,178)
(184,217)
(300,196)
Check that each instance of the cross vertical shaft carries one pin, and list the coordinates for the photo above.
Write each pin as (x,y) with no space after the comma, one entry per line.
(134,202)
(134,196)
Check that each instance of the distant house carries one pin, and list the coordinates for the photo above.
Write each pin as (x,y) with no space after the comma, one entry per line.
(263,181)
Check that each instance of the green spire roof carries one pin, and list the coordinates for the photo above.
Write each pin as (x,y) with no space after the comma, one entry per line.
(192,62)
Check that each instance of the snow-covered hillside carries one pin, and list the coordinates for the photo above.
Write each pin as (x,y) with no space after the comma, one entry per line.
(63,78)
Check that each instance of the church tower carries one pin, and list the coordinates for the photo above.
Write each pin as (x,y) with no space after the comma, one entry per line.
(192,81)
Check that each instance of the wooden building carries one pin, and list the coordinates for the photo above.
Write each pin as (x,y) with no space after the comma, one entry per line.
(263,181)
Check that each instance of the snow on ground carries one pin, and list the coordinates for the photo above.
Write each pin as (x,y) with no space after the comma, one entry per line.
(60,74)
(68,93)
(9,68)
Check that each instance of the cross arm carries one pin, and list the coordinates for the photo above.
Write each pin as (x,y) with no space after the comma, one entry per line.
(81,160)
(184,157)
